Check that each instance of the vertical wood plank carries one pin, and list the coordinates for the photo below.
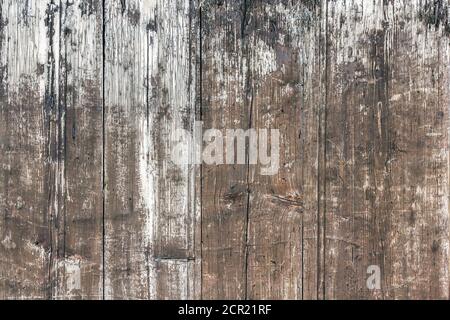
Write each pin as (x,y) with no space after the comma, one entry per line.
(80,249)
(260,71)
(419,94)
(312,151)
(279,55)
(127,219)
(387,152)
(150,204)
(28,107)
(172,107)
(225,105)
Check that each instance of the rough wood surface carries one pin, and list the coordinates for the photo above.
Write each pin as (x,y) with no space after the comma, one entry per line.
(79,266)
(94,203)
(27,190)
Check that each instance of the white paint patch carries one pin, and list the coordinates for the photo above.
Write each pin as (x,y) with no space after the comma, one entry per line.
(147,182)
(8,243)
(148,6)
(147,168)
(396,97)
(72,268)
(264,60)
(36,250)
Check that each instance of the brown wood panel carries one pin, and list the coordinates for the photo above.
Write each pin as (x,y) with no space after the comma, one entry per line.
(262,70)
(27,190)
(101,199)
(274,35)
(225,104)
(79,246)
(387,153)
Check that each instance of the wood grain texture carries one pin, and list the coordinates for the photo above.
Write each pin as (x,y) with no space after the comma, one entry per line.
(387,152)
(150,206)
(225,193)
(126,217)
(95,204)
(78,269)
(26,194)
(276,231)
(173,106)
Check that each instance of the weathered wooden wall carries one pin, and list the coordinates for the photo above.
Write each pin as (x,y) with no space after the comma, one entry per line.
(93,207)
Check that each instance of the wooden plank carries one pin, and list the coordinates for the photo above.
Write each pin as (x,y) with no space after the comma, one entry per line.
(312,56)
(173,85)
(150,207)
(27,98)
(225,105)
(281,39)
(253,79)
(387,152)
(417,267)
(79,266)
(126,216)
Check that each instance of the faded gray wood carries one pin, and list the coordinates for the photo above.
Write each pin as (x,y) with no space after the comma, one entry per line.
(276,230)
(94,204)
(225,192)
(127,219)
(78,270)
(27,186)
(150,205)
(387,152)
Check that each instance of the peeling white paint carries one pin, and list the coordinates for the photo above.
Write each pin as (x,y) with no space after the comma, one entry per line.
(8,243)
(72,267)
